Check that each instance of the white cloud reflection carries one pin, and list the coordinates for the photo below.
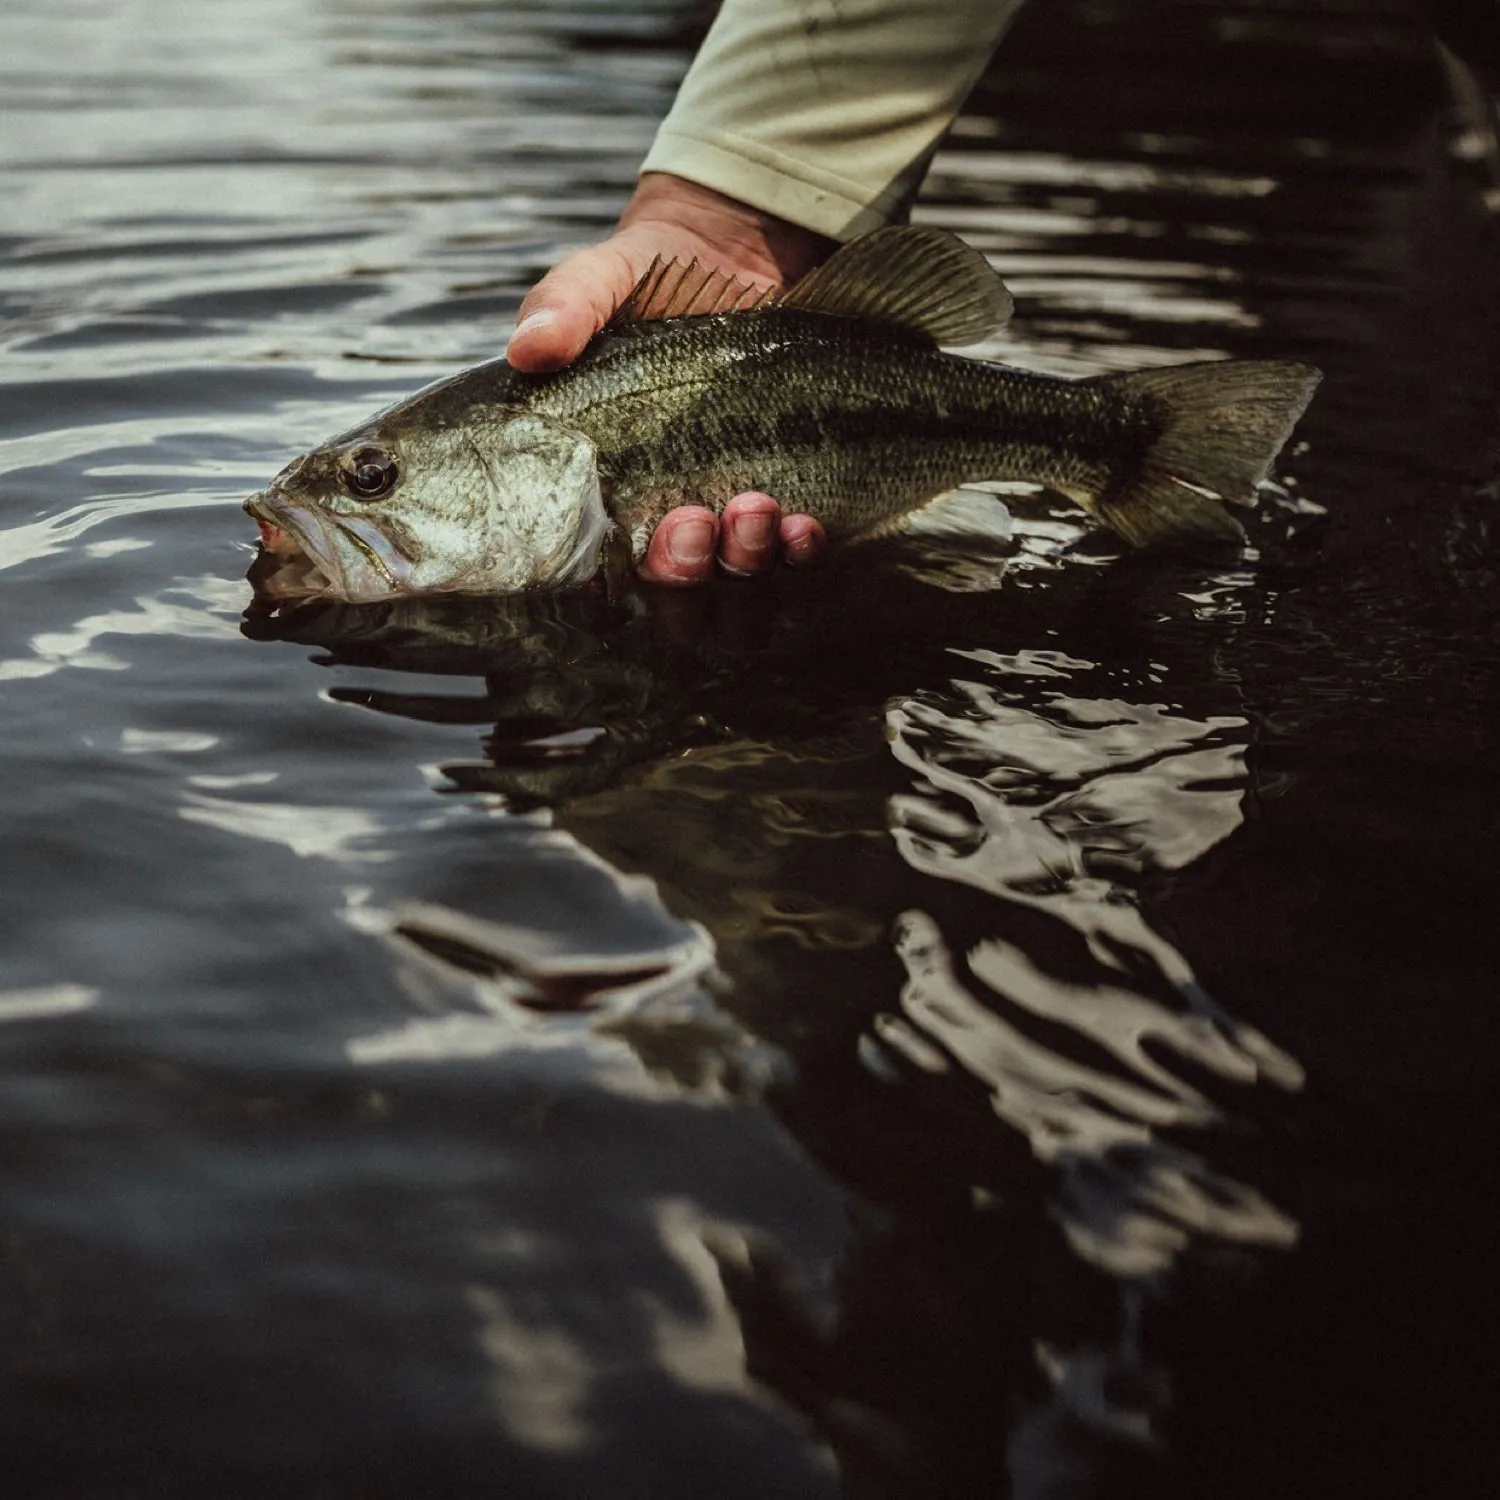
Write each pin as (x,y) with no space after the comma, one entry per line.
(152,616)
(539,1375)
(46,1000)
(310,832)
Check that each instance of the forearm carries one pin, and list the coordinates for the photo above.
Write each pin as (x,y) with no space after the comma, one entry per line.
(826,112)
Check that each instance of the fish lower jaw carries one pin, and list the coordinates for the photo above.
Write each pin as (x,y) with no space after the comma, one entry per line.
(276,516)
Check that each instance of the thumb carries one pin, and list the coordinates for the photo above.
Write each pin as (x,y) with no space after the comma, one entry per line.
(567,307)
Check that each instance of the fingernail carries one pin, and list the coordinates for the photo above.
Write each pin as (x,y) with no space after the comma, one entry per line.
(755,532)
(543,317)
(691,543)
(802,547)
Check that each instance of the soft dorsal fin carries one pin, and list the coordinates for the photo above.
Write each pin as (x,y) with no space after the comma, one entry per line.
(670,289)
(913,276)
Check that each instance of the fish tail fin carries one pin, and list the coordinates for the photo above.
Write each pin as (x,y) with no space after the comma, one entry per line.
(1219,426)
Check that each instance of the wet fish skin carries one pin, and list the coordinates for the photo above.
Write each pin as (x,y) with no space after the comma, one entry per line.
(852,422)
(836,400)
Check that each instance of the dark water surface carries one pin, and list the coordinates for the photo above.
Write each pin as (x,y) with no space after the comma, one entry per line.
(936,1027)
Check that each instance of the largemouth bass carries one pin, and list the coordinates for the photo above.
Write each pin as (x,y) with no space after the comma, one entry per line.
(836,398)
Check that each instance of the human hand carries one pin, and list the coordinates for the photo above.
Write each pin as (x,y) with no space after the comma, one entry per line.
(677,219)
(748,538)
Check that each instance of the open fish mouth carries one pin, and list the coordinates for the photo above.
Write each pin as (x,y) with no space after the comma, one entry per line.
(356,560)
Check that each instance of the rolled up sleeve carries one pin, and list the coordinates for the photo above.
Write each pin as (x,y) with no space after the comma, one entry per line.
(826,112)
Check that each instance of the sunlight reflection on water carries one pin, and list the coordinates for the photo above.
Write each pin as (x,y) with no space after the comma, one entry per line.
(1063,807)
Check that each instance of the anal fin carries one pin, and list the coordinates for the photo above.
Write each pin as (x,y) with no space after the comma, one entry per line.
(961,515)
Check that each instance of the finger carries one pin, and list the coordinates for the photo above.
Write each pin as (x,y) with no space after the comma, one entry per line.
(803,541)
(567,307)
(682,547)
(747,542)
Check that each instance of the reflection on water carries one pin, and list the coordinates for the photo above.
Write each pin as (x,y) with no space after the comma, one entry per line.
(1101,1055)
(1060,805)
(943,1025)
(1059,809)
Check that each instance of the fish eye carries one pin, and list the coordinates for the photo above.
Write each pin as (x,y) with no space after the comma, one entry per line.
(371,473)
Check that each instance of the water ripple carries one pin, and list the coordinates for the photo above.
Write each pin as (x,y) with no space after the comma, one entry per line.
(1062,807)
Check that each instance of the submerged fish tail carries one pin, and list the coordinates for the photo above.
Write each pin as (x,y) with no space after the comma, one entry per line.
(1218,427)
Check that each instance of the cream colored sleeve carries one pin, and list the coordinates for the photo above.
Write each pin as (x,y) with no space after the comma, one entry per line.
(826,112)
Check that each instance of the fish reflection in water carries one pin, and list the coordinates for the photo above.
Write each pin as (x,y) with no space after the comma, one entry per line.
(909,921)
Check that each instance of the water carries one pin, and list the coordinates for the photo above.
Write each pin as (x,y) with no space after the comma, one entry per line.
(936,1027)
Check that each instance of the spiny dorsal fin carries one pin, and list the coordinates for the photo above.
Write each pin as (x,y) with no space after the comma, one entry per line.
(670,289)
(913,276)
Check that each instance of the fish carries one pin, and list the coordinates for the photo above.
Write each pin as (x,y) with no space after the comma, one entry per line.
(839,397)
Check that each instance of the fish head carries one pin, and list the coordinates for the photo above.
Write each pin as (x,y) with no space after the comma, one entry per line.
(503,502)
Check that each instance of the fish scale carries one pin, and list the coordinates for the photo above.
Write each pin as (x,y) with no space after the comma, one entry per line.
(850,422)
